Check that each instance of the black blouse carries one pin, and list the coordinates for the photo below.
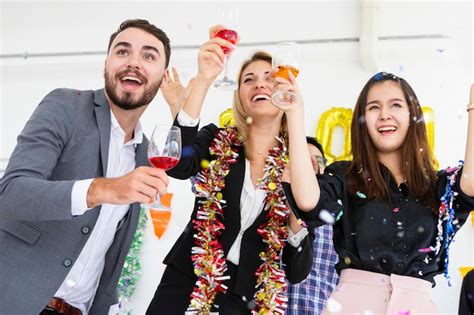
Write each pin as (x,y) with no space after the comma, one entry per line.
(385,236)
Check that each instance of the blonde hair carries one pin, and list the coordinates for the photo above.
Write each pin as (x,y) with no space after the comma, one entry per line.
(240,116)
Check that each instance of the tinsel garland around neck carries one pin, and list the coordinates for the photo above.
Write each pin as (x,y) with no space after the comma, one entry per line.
(208,255)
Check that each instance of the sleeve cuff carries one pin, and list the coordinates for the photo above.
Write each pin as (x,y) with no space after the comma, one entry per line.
(114,309)
(185,120)
(296,239)
(79,196)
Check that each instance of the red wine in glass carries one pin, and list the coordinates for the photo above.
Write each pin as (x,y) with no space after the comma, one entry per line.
(163,162)
(164,152)
(228,35)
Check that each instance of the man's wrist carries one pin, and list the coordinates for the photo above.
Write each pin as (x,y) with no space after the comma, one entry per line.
(93,193)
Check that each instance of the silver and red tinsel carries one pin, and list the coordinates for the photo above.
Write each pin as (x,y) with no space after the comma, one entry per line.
(271,285)
(208,255)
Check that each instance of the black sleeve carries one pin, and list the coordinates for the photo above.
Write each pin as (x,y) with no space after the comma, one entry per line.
(332,187)
(195,148)
(298,261)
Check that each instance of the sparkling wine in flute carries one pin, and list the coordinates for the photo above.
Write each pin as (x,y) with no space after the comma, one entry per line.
(228,35)
(228,17)
(282,71)
(286,58)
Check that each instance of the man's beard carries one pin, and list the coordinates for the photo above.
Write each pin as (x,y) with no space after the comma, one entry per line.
(126,101)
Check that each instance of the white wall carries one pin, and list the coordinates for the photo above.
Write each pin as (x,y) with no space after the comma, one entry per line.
(440,70)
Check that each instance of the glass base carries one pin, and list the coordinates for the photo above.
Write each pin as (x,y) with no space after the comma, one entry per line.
(225,84)
(283,100)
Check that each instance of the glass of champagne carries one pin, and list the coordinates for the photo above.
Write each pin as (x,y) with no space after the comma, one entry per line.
(286,58)
(164,152)
(229,18)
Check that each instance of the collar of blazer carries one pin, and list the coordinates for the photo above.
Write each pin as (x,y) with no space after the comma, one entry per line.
(102,115)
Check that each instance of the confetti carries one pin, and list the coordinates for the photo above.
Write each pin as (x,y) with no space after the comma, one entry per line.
(204,164)
(326,217)
(361,195)
(302,223)
(272,186)
(333,306)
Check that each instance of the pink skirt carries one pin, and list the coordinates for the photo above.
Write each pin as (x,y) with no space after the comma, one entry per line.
(363,292)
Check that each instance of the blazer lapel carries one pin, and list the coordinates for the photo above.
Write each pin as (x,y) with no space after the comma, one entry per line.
(141,154)
(234,182)
(102,115)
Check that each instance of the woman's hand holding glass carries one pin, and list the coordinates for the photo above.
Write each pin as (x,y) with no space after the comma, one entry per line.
(228,18)
(289,86)
(285,61)
(211,57)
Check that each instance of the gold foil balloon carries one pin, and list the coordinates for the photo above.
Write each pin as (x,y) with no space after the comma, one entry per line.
(428,117)
(226,118)
(336,116)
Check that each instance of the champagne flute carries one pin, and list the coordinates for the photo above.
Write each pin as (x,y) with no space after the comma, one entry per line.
(164,152)
(229,18)
(286,57)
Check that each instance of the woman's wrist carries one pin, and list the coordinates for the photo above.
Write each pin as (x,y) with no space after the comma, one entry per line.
(202,80)
(470,107)
(295,115)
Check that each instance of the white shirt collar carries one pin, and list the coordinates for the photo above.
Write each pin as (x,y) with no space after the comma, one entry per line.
(118,131)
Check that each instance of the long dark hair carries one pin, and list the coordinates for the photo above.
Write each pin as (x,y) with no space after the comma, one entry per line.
(365,172)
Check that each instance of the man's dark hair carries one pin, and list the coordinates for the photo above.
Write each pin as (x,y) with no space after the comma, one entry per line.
(315,142)
(149,28)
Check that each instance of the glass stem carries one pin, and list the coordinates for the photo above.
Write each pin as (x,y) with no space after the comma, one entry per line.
(226,62)
(157,201)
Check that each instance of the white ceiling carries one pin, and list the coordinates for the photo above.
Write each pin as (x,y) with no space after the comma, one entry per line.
(60,26)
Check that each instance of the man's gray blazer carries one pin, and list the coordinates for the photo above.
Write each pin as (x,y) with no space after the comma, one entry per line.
(65,140)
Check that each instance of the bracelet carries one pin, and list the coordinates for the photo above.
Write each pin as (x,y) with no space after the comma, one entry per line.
(470,106)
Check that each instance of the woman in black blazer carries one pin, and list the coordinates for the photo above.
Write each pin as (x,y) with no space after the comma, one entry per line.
(245,212)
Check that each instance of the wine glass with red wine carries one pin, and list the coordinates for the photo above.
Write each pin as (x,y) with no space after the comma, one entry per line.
(229,18)
(164,152)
